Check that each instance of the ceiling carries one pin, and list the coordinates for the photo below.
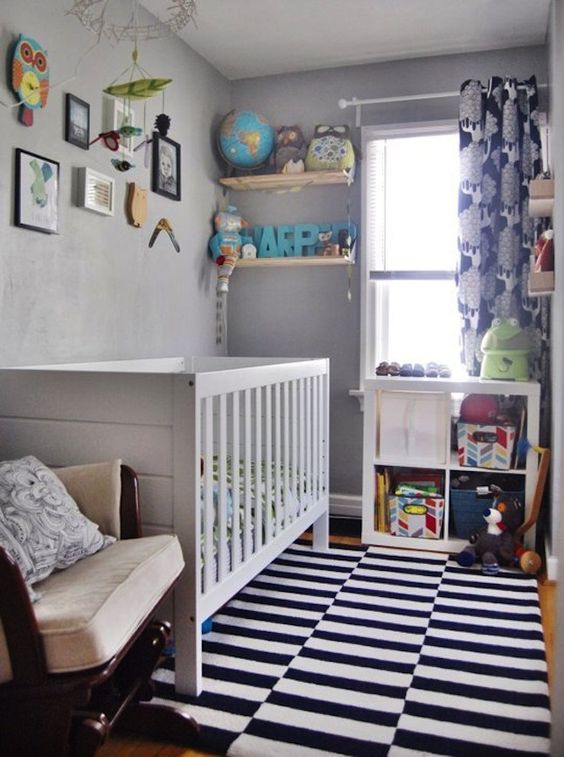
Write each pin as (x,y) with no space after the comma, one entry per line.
(247,38)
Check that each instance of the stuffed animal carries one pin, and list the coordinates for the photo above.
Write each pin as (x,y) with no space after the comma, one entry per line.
(495,543)
(225,245)
(330,149)
(289,150)
(527,559)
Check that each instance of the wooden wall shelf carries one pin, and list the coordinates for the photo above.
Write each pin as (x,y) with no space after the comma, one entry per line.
(284,182)
(306,260)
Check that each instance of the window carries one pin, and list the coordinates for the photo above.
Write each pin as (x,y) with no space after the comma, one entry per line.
(410,186)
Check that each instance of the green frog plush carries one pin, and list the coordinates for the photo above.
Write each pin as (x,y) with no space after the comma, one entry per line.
(505,347)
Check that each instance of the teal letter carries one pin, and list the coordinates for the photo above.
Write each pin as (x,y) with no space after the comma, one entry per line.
(285,241)
(305,235)
(268,247)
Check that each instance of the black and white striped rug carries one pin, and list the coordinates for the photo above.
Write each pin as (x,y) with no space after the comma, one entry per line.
(374,652)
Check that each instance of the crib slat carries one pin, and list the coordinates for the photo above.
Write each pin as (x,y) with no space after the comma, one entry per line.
(235,482)
(277,460)
(287,504)
(247,476)
(208,509)
(301,469)
(222,545)
(295,430)
(258,468)
(308,437)
(315,422)
(268,463)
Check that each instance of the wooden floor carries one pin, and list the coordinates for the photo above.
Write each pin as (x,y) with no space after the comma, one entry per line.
(125,746)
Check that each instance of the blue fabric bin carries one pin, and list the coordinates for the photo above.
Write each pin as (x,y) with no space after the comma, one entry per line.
(467,510)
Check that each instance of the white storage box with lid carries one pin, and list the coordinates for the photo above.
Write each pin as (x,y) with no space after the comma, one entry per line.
(413,427)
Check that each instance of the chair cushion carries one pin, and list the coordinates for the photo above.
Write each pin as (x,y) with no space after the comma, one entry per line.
(41,526)
(89,611)
(96,489)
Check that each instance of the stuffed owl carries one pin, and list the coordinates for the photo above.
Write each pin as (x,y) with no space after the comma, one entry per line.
(290,150)
(330,149)
(30,77)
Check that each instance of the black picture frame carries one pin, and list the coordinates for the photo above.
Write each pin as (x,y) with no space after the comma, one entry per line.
(36,187)
(77,121)
(165,153)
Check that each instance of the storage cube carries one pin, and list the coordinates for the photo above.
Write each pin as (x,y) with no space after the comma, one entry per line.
(413,427)
(485,446)
(416,516)
(541,281)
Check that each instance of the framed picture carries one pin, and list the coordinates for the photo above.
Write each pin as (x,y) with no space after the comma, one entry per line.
(37,192)
(77,121)
(118,113)
(165,172)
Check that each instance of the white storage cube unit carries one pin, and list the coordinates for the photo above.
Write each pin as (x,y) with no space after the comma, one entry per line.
(407,424)
(413,427)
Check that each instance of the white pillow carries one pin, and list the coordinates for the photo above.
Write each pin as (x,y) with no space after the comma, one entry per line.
(41,526)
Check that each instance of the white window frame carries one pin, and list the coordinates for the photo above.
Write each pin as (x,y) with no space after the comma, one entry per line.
(371,310)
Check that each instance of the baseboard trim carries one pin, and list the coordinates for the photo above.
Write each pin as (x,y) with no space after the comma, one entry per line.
(349,505)
(551,563)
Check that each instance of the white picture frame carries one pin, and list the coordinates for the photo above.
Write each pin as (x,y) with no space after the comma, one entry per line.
(96,191)
(116,112)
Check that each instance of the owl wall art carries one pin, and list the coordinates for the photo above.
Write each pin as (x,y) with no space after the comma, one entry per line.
(30,77)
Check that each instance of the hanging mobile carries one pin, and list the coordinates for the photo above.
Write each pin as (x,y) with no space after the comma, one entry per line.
(146,141)
(162,123)
(121,164)
(136,89)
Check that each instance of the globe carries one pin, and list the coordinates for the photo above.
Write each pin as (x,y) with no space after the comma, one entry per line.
(245,139)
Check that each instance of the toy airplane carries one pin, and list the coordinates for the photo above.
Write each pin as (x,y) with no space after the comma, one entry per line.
(164,225)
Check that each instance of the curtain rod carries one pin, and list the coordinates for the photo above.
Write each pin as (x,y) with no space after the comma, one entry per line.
(355,102)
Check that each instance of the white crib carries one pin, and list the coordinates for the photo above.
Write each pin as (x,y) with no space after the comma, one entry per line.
(231,453)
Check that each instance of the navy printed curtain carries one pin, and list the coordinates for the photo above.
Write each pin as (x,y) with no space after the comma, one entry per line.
(500,152)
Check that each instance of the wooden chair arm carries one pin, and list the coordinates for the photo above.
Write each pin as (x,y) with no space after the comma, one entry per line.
(24,642)
(20,626)
(130,514)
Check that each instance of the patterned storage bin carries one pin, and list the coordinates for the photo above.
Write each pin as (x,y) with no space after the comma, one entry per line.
(482,446)
(416,516)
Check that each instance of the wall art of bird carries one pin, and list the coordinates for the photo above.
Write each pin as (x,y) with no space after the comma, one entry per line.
(290,150)
(30,77)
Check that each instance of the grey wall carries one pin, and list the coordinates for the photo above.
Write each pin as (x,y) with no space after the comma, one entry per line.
(556,28)
(95,290)
(289,312)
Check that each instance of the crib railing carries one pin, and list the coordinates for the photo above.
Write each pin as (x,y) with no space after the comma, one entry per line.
(264,461)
